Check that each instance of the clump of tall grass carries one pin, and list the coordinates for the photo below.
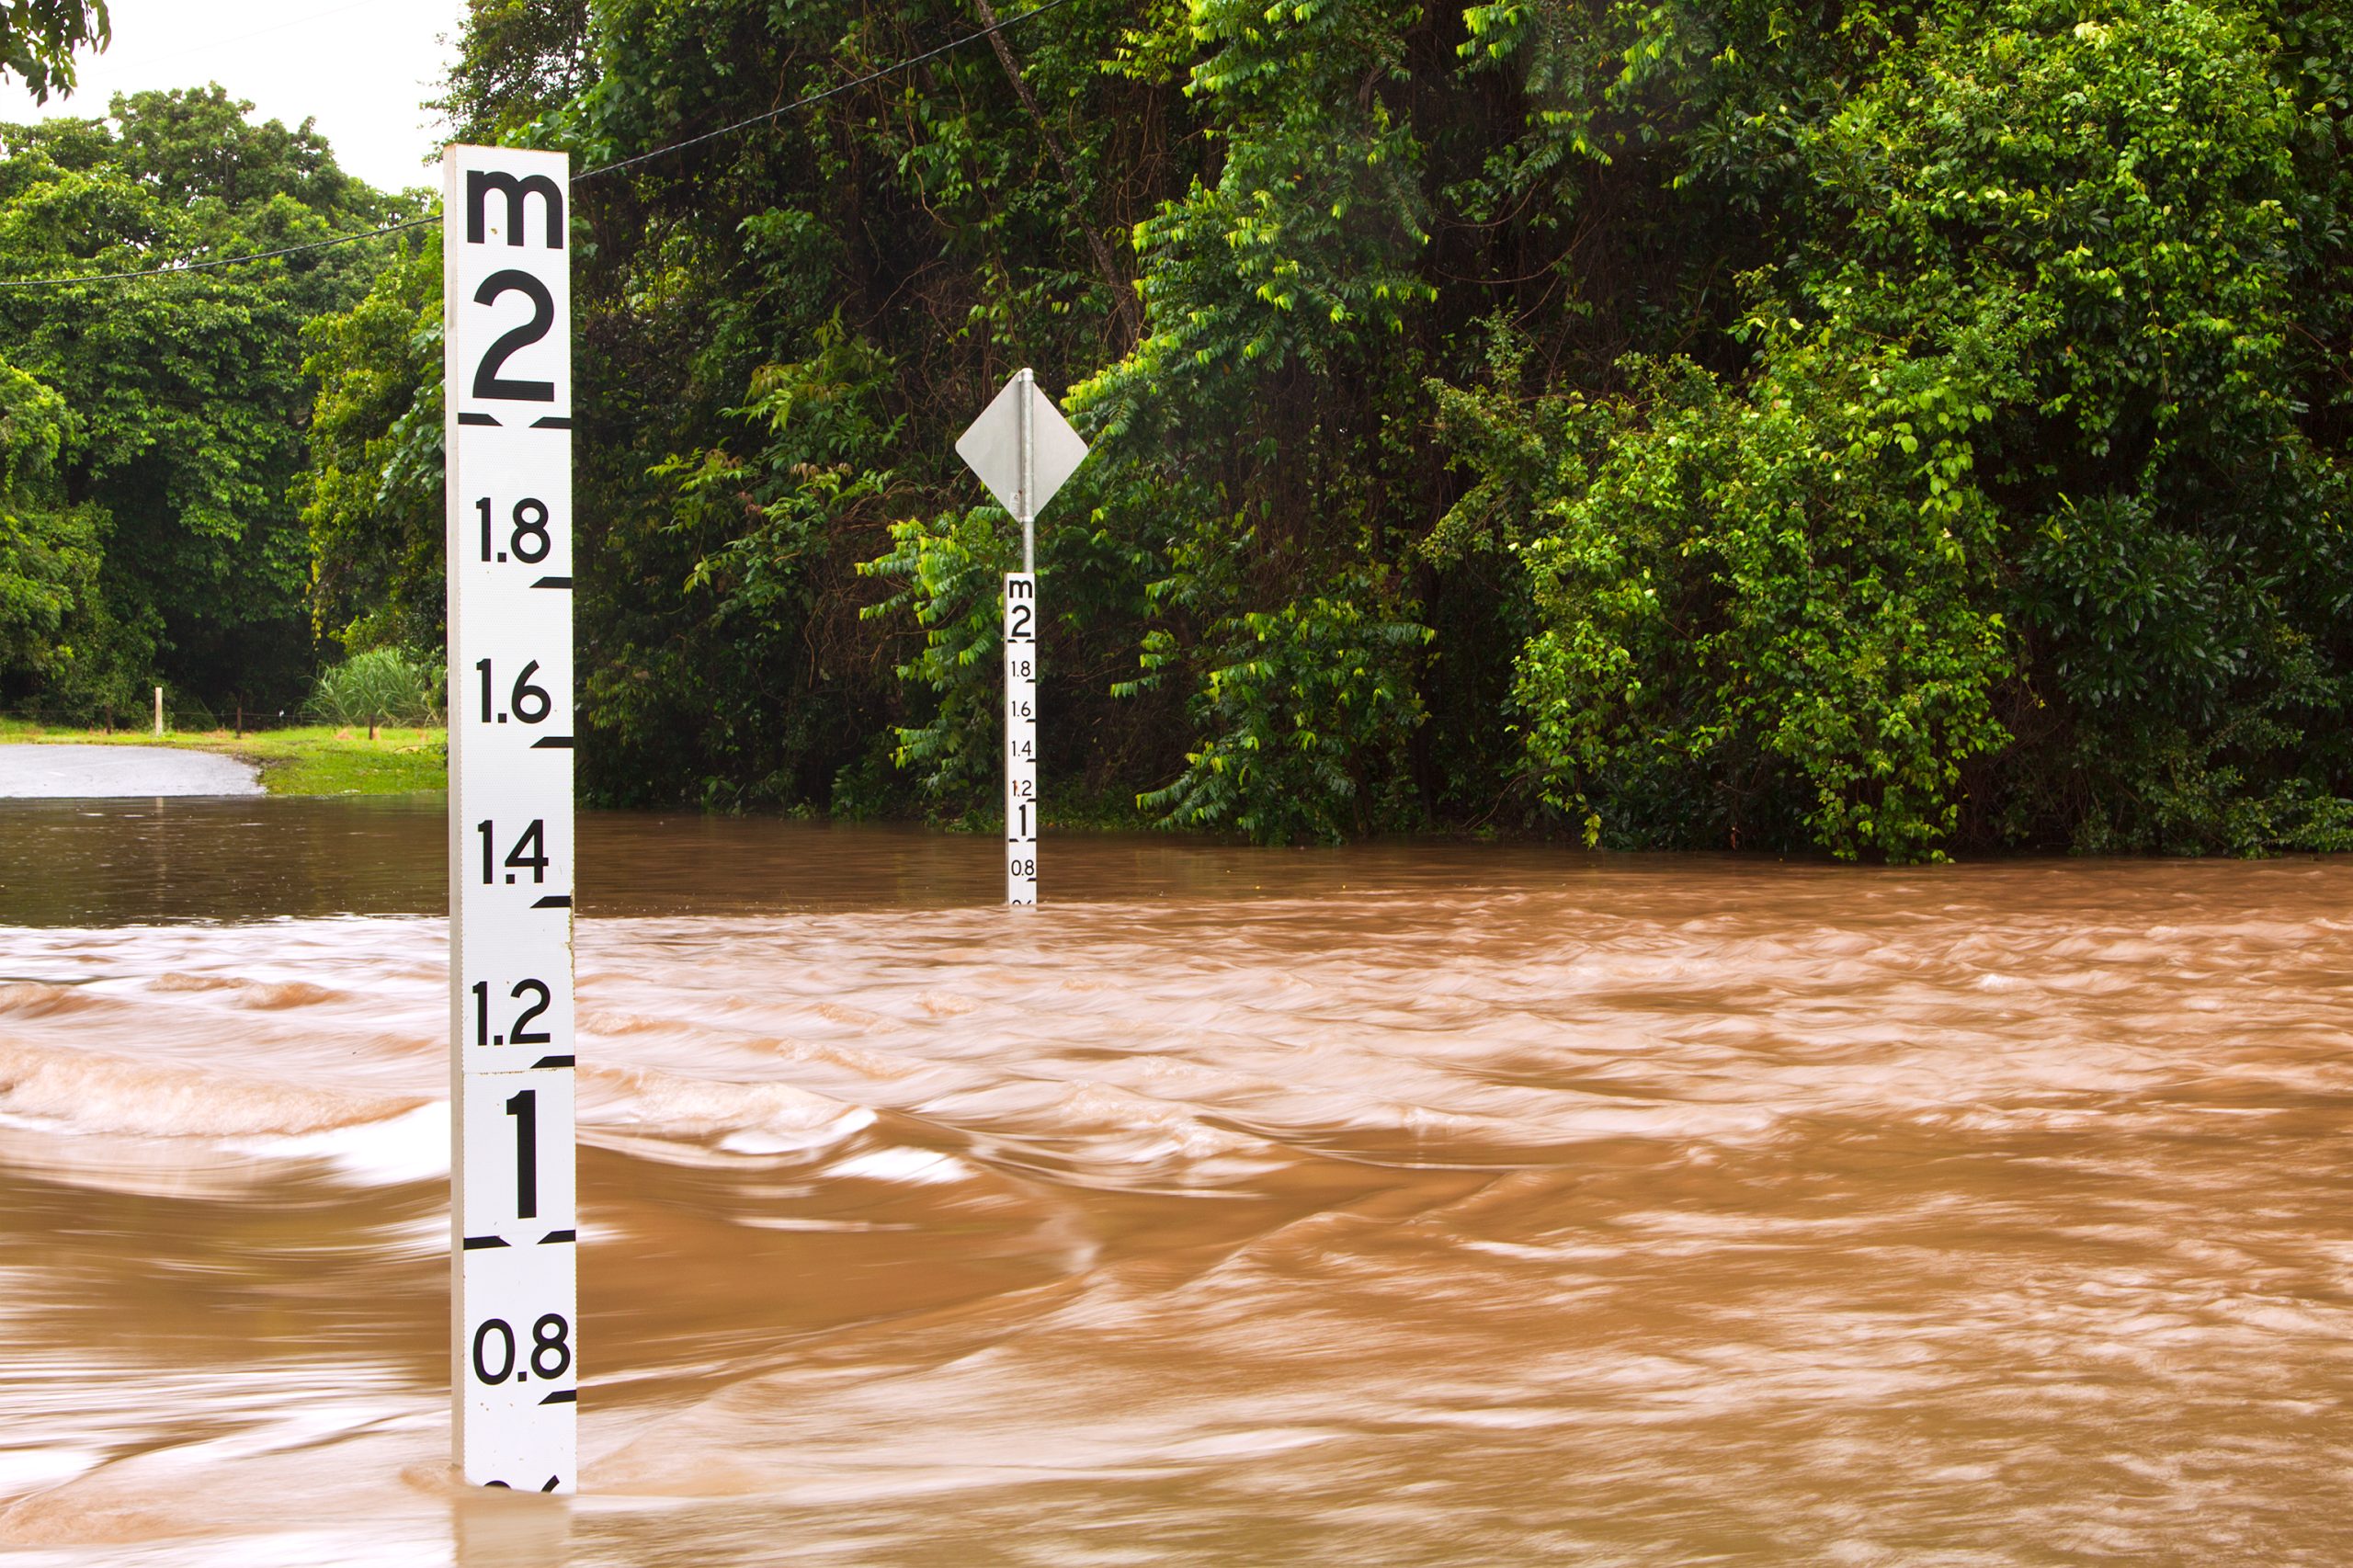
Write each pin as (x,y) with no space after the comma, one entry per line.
(383,686)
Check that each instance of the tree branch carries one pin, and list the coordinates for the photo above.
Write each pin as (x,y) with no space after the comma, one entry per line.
(1123,294)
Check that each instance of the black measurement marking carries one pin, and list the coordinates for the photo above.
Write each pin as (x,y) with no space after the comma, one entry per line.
(569,1396)
(552,742)
(488,383)
(523,1106)
(473,1242)
(481,989)
(479,419)
(554,900)
(528,853)
(554,1061)
(553,422)
(482,184)
(522,1035)
(559,1236)
(553,582)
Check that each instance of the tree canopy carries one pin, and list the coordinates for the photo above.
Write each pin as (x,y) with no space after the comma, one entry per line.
(1879,429)
(151,532)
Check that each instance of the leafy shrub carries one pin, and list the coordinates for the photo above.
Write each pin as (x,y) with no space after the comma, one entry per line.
(1303,713)
(949,570)
(2014,504)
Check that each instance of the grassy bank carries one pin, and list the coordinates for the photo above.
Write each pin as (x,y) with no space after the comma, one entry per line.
(318,760)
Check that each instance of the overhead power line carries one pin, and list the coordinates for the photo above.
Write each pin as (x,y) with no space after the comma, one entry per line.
(836,90)
(213,263)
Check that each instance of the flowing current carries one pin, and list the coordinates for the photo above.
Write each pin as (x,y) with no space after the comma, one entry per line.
(1407,1204)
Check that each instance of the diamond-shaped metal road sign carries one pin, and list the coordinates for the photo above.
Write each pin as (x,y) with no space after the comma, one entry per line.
(991,447)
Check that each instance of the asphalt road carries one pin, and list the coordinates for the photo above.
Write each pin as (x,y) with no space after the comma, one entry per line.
(64,772)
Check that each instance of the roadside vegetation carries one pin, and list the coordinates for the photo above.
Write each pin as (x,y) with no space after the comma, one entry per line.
(1884,429)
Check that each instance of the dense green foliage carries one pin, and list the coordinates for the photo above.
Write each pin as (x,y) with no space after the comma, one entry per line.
(2027,498)
(154,428)
(1878,428)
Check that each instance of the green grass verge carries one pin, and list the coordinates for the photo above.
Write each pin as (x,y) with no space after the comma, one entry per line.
(319,759)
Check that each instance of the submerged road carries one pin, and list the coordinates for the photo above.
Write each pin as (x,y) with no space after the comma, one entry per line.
(59,772)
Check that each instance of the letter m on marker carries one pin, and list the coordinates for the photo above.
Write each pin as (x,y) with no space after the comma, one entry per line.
(479,183)
(1017,588)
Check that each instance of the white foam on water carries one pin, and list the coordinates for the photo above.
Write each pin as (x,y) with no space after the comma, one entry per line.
(365,1546)
(767,1140)
(84,1091)
(411,1147)
(27,1469)
(914,1167)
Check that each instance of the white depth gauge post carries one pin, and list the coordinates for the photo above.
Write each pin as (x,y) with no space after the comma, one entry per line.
(1021,801)
(515,1351)
(1023,449)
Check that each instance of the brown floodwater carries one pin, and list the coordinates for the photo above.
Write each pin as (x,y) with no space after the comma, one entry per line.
(1402,1204)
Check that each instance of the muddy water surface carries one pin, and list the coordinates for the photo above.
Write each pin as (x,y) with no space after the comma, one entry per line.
(1414,1205)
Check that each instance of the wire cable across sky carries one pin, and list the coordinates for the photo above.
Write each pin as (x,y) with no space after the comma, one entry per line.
(213,264)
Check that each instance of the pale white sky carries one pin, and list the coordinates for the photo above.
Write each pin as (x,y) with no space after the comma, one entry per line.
(359,67)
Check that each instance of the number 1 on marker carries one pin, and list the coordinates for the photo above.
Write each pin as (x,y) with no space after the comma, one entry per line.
(523,1106)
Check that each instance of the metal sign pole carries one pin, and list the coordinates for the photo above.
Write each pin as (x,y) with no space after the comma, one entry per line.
(1021,802)
(515,1368)
(1028,488)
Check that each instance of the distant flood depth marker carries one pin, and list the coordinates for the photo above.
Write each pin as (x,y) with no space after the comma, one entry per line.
(1023,449)
(507,301)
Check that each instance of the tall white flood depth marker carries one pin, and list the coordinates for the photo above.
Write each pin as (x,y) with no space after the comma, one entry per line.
(1023,449)
(506,281)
